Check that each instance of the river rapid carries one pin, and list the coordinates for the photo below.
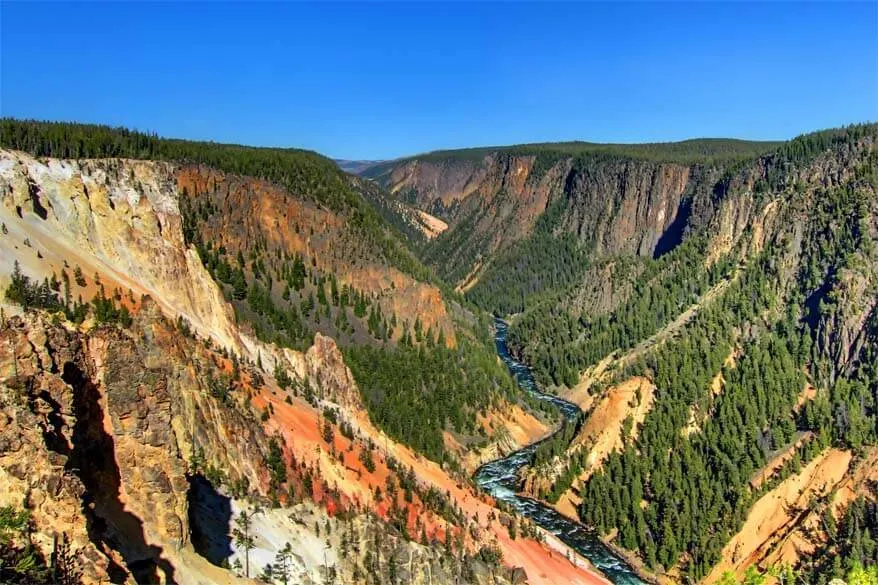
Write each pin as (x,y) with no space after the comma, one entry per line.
(499,479)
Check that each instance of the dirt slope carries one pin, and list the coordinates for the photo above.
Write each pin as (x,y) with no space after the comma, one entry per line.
(773,528)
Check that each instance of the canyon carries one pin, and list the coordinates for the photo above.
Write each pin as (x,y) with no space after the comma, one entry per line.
(208,339)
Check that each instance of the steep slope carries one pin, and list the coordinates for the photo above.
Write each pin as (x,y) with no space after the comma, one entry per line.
(658,264)
(134,455)
(613,199)
(777,269)
(52,212)
(415,225)
(291,268)
(306,257)
(775,518)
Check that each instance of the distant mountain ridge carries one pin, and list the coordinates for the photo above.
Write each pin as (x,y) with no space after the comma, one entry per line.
(357,167)
(692,149)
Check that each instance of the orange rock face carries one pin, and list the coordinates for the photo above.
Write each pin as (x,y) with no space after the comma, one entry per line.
(346,476)
(251,212)
(497,193)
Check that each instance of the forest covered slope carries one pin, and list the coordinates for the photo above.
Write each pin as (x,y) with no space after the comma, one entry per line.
(737,279)
(296,248)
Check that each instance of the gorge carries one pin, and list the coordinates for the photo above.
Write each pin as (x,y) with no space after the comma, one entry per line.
(458,367)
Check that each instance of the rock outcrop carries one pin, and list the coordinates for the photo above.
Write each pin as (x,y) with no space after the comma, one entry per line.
(489,203)
(116,218)
(747,216)
(102,428)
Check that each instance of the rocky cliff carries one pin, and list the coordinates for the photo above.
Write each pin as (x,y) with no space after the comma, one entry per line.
(495,201)
(626,207)
(116,218)
(110,436)
(102,427)
(613,201)
(791,210)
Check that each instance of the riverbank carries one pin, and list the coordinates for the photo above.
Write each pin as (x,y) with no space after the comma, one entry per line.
(499,478)
(636,562)
(632,559)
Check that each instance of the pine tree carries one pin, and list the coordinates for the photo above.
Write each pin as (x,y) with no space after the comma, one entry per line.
(243,537)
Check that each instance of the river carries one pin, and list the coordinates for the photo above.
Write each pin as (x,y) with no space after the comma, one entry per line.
(499,479)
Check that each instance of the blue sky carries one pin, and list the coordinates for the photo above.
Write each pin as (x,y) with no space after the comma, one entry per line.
(383,80)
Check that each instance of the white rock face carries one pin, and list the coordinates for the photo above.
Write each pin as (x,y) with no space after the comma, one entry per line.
(274,528)
(120,219)
(117,218)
